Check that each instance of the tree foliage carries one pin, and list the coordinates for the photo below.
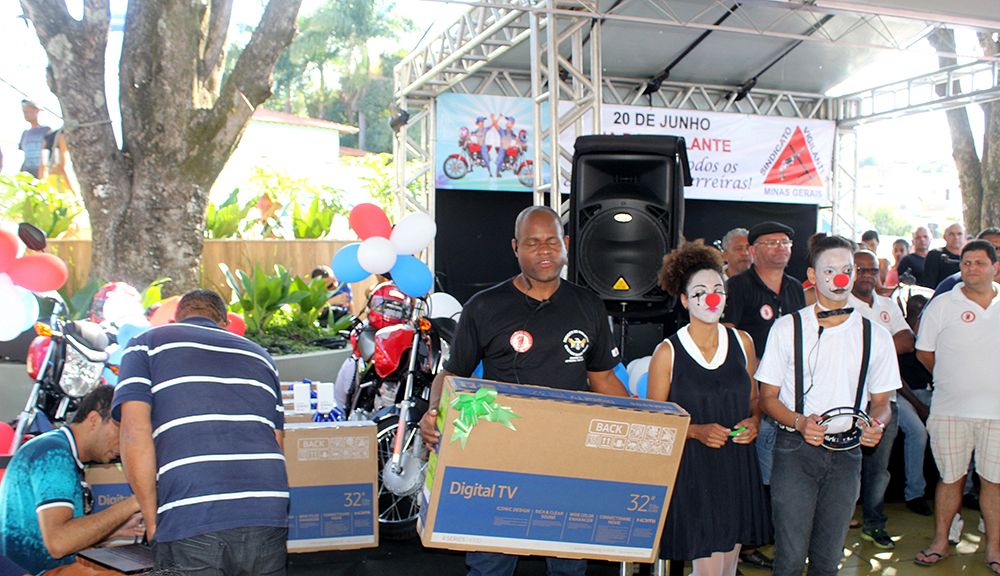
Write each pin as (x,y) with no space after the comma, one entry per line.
(328,71)
(181,120)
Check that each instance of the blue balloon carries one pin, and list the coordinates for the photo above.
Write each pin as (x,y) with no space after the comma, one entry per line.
(115,358)
(110,378)
(412,276)
(641,386)
(346,266)
(621,373)
(128,331)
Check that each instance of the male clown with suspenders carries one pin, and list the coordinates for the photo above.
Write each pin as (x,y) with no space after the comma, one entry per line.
(824,359)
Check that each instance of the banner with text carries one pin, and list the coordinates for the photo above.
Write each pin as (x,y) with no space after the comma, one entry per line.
(738,156)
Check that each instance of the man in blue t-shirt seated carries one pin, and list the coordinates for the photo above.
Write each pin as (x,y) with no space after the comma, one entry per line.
(44,502)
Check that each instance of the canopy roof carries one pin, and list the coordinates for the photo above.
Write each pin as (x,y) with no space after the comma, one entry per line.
(826,40)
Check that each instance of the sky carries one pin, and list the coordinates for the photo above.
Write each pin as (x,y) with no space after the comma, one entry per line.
(919,140)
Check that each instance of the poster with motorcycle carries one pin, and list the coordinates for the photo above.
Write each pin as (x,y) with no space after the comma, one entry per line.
(483,143)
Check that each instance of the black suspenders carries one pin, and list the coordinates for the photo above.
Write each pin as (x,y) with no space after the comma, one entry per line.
(866,352)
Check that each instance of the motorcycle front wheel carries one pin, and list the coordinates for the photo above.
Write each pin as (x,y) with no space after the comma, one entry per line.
(526,174)
(397,515)
(455,167)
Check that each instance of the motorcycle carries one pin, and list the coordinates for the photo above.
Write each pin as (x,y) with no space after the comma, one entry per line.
(392,388)
(66,360)
(473,156)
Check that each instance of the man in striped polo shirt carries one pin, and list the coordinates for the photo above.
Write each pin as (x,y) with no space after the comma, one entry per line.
(201,441)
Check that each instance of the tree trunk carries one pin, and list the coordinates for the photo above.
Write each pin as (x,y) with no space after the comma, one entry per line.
(962,144)
(147,200)
(991,148)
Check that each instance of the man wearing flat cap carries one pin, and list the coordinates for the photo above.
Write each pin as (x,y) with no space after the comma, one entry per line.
(754,300)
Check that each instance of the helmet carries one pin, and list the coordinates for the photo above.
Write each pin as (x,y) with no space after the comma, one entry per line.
(121,290)
(387,306)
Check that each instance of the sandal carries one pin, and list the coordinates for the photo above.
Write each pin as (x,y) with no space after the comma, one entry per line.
(994,567)
(931,558)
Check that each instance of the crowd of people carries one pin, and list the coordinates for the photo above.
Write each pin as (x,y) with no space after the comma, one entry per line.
(796,391)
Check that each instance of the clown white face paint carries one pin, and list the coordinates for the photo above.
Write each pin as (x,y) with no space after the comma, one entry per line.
(835,274)
(706,296)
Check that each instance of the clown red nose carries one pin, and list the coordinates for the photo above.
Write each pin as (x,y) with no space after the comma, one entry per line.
(712,300)
(841,280)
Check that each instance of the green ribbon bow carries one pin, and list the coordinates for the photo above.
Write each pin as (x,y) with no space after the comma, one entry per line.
(473,407)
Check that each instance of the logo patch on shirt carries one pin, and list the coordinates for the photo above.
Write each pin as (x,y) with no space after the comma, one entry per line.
(521,341)
(968,316)
(766,312)
(884,316)
(576,344)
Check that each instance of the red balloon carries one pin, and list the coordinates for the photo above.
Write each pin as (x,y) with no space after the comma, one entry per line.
(39,272)
(8,249)
(6,438)
(164,314)
(369,220)
(236,324)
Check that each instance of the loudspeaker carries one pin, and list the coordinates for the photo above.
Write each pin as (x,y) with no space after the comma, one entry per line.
(626,211)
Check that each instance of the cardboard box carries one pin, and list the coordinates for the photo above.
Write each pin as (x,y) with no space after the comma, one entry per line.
(533,470)
(108,484)
(332,470)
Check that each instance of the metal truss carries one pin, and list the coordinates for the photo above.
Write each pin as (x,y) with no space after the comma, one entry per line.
(677,95)
(560,33)
(563,90)
(843,217)
(944,89)
(492,27)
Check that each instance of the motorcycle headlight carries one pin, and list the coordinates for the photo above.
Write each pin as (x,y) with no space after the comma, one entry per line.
(79,375)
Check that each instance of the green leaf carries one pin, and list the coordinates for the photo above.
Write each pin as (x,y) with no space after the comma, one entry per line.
(154,293)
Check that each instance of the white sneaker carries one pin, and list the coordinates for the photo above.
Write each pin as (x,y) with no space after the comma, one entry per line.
(955,532)
(982,526)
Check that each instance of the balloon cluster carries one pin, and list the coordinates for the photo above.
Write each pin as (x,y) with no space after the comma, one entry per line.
(167,309)
(20,275)
(387,248)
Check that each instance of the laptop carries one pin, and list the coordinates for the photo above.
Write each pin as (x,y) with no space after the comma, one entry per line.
(128,559)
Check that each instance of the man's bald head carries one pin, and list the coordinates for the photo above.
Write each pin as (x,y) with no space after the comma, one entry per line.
(531,211)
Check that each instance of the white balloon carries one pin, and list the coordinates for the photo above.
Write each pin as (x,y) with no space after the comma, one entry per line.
(119,306)
(18,311)
(413,233)
(444,305)
(635,370)
(376,255)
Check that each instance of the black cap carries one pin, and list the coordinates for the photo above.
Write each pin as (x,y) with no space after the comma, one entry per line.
(769,228)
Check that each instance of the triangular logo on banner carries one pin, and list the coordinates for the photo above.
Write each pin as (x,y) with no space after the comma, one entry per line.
(795,166)
(621,284)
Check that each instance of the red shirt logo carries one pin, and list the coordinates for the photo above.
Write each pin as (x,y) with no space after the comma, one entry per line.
(968,316)
(521,341)
(766,312)
(884,316)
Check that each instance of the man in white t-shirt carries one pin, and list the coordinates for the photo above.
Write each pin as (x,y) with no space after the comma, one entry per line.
(875,462)
(958,344)
(814,488)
